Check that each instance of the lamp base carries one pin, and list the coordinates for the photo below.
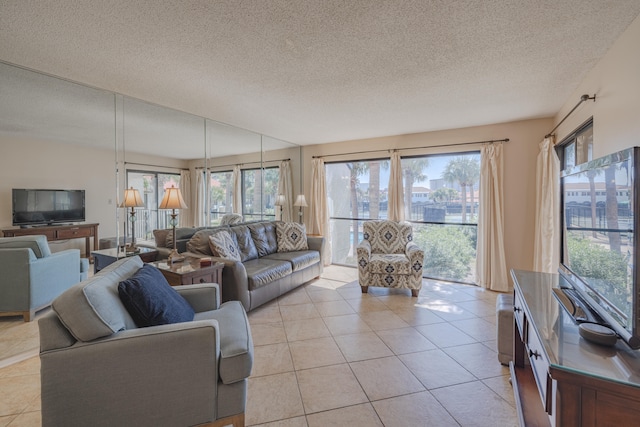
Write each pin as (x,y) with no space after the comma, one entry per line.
(174,257)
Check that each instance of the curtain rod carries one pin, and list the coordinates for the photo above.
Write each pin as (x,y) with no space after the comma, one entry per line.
(414,148)
(243,164)
(583,98)
(154,166)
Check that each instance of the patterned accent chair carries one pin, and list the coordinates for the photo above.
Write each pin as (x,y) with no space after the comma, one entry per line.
(387,257)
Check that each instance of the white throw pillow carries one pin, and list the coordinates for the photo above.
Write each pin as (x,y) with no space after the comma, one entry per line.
(223,245)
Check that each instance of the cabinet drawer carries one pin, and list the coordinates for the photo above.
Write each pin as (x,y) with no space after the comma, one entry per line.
(72,233)
(518,313)
(540,367)
(203,278)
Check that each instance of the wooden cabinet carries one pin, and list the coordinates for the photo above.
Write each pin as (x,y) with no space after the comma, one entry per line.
(189,272)
(560,379)
(60,232)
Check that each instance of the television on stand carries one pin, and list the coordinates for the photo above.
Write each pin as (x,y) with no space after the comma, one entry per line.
(33,207)
(599,258)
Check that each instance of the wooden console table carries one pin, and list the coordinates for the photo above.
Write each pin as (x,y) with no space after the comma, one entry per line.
(559,379)
(61,232)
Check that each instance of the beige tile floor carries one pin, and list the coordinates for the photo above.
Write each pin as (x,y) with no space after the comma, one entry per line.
(327,355)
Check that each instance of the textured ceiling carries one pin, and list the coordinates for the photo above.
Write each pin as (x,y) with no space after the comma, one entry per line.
(321,71)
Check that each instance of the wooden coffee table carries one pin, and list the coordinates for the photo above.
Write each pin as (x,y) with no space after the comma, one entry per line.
(189,272)
(104,257)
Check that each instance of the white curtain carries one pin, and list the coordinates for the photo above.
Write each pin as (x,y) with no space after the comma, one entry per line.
(237,190)
(491,268)
(200,202)
(396,192)
(285,187)
(185,219)
(319,209)
(546,246)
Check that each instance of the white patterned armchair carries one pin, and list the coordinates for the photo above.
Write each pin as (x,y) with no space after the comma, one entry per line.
(387,257)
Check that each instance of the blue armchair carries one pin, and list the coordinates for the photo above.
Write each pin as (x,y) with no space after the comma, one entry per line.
(32,276)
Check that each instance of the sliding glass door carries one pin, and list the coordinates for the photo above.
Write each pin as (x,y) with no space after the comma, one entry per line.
(151,186)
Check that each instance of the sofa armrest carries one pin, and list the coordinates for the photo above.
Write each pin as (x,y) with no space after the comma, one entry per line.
(128,376)
(202,297)
(416,258)
(316,243)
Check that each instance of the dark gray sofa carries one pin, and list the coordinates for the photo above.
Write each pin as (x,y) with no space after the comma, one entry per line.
(263,273)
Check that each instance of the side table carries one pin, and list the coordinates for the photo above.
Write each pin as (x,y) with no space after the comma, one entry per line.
(104,257)
(189,272)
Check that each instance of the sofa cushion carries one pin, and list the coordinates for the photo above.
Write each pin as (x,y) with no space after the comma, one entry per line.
(245,242)
(291,236)
(183,234)
(299,259)
(160,237)
(262,271)
(151,301)
(199,242)
(236,345)
(264,237)
(223,244)
(92,309)
(38,244)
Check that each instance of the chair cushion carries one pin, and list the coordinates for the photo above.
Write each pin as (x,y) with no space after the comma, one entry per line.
(299,259)
(151,301)
(38,244)
(236,345)
(223,245)
(291,236)
(92,309)
(387,236)
(263,271)
(264,237)
(389,264)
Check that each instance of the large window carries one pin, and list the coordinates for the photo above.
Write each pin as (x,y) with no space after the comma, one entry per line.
(151,186)
(221,195)
(259,191)
(441,201)
(576,148)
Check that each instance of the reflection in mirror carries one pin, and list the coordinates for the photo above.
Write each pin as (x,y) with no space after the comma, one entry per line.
(57,134)
(281,162)
(54,134)
(233,158)
(158,144)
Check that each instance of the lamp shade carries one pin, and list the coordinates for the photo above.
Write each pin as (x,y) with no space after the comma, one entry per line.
(280,200)
(301,201)
(132,199)
(172,199)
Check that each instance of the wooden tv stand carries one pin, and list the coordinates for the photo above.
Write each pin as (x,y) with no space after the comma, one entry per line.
(559,379)
(61,232)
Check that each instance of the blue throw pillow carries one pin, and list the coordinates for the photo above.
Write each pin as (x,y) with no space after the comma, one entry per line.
(151,301)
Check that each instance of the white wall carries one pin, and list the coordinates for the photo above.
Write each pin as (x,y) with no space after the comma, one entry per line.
(616,112)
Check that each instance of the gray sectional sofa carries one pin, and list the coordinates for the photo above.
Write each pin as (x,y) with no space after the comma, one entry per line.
(263,273)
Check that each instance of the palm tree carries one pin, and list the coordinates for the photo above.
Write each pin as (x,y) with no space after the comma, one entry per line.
(413,172)
(465,171)
(356,169)
(444,195)
(374,186)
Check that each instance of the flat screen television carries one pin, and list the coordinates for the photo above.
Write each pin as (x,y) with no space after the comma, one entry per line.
(599,242)
(46,207)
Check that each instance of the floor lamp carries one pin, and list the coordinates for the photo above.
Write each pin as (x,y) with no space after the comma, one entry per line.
(280,201)
(173,200)
(301,202)
(132,200)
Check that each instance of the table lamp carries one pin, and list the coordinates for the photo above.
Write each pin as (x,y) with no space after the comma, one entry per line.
(132,200)
(280,201)
(173,200)
(301,202)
